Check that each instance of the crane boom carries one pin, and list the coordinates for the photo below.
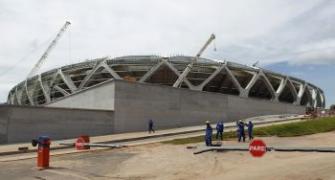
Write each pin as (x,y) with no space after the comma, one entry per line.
(194,60)
(211,38)
(39,63)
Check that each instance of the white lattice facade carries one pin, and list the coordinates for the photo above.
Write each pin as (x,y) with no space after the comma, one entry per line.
(206,75)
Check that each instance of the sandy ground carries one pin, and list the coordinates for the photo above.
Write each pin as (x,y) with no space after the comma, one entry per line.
(176,162)
(161,161)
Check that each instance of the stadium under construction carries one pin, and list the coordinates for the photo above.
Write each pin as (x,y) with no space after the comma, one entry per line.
(206,75)
(115,95)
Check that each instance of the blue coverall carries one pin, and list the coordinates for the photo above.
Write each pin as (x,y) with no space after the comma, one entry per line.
(250,129)
(151,126)
(219,130)
(208,136)
(241,132)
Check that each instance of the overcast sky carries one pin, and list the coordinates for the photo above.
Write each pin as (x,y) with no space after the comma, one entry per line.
(295,33)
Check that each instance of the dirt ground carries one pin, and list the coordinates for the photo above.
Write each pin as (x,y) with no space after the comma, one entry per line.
(162,161)
(177,162)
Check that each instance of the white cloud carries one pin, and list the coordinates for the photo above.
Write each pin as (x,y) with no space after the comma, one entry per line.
(322,52)
(269,30)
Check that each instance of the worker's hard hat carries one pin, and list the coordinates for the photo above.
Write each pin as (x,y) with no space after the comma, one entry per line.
(207,122)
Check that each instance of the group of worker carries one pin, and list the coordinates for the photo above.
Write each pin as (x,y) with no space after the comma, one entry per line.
(240,130)
(219,131)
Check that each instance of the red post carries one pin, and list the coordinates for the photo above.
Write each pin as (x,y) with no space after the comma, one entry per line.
(43,151)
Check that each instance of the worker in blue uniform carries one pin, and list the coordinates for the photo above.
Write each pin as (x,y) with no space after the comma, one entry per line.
(219,130)
(241,134)
(238,131)
(250,130)
(151,126)
(208,135)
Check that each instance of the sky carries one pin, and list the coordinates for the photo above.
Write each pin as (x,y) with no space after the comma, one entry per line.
(292,37)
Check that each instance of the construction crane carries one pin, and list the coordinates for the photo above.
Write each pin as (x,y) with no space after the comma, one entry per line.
(47,51)
(194,60)
(255,64)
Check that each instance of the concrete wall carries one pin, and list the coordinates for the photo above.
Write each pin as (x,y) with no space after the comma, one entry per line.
(101,98)
(241,108)
(3,124)
(134,104)
(170,107)
(21,124)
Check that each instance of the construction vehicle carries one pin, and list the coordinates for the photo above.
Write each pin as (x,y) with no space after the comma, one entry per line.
(42,59)
(189,67)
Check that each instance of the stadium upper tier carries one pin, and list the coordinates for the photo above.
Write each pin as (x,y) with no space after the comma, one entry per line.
(206,75)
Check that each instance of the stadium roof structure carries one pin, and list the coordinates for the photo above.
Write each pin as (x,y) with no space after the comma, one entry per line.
(206,75)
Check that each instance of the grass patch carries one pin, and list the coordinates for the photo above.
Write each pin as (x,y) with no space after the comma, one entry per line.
(281,130)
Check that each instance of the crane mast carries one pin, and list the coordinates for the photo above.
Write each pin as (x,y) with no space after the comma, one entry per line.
(39,63)
(194,60)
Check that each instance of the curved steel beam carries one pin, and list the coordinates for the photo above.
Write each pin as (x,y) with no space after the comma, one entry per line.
(293,90)
(28,94)
(235,81)
(61,90)
(187,82)
(102,64)
(261,76)
(151,71)
(212,76)
(45,92)
(67,80)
